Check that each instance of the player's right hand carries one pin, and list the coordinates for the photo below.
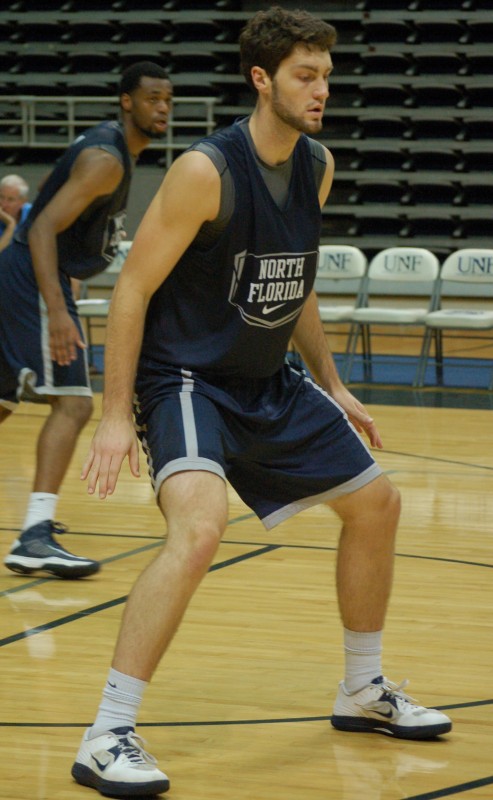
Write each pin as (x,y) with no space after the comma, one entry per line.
(64,337)
(114,439)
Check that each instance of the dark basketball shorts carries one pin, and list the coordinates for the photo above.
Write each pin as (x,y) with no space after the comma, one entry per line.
(26,369)
(281,442)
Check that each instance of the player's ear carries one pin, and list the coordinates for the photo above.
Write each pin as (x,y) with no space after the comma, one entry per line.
(260,79)
(126,102)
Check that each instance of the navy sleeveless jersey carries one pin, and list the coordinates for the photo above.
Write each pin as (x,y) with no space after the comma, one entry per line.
(231,310)
(91,242)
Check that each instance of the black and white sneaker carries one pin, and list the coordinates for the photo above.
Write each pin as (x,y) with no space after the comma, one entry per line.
(381,707)
(37,551)
(116,764)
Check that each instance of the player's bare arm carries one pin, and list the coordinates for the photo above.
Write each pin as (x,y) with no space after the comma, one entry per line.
(310,340)
(188,196)
(328,178)
(95,173)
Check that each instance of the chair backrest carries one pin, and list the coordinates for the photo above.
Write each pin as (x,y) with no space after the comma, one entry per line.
(339,261)
(340,269)
(404,265)
(467,273)
(470,265)
(406,272)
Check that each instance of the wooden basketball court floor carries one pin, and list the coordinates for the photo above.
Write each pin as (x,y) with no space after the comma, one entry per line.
(240,707)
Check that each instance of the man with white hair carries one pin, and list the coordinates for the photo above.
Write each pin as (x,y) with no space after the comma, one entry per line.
(14,207)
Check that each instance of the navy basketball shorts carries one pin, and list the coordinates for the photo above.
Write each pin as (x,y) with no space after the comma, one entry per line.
(27,371)
(281,442)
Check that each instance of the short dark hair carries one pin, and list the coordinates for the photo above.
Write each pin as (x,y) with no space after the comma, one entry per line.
(131,76)
(270,36)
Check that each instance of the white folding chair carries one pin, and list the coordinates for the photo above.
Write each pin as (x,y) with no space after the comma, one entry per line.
(338,284)
(94,310)
(464,303)
(399,290)
(340,270)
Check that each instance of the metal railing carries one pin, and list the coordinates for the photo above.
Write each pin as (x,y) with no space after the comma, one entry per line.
(41,121)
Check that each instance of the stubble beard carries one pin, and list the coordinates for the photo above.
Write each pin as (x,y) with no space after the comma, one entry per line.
(295,121)
(150,133)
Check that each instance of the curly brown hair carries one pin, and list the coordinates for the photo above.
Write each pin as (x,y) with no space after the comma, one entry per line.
(270,36)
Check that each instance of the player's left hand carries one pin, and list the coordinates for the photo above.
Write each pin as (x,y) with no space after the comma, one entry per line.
(358,415)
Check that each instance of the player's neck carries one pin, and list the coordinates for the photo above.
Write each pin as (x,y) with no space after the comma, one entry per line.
(135,139)
(274,140)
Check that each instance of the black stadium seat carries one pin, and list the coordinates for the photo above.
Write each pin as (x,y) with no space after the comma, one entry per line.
(443,30)
(385,63)
(434,127)
(385,94)
(389,31)
(438,94)
(379,127)
(434,192)
(478,194)
(480,96)
(379,191)
(438,63)
(144,31)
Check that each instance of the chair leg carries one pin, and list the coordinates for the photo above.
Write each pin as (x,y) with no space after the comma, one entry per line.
(438,356)
(366,353)
(352,342)
(419,378)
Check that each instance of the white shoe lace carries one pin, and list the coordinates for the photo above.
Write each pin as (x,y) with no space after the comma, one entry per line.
(395,690)
(131,745)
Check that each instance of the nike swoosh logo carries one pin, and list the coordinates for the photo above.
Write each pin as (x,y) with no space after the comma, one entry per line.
(113,685)
(270,309)
(101,766)
(387,714)
(383,709)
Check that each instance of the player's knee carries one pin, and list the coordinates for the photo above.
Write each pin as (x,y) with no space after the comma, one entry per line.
(379,500)
(202,542)
(384,499)
(77,410)
(393,500)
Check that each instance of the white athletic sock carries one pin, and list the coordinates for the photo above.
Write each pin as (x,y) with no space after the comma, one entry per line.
(363,658)
(41,506)
(121,701)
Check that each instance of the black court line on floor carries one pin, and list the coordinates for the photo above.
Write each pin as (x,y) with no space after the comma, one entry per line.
(438,460)
(218,723)
(451,790)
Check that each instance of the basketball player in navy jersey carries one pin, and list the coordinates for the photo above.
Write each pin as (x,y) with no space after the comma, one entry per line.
(72,232)
(219,279)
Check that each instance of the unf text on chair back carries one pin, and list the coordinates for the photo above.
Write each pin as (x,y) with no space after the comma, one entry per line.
(399,290)
(464,310)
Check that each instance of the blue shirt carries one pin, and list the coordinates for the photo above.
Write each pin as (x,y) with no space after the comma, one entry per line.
(24,212)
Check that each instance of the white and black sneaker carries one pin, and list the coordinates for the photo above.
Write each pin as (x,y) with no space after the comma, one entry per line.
(37,551)
(381,707)
(116,764)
